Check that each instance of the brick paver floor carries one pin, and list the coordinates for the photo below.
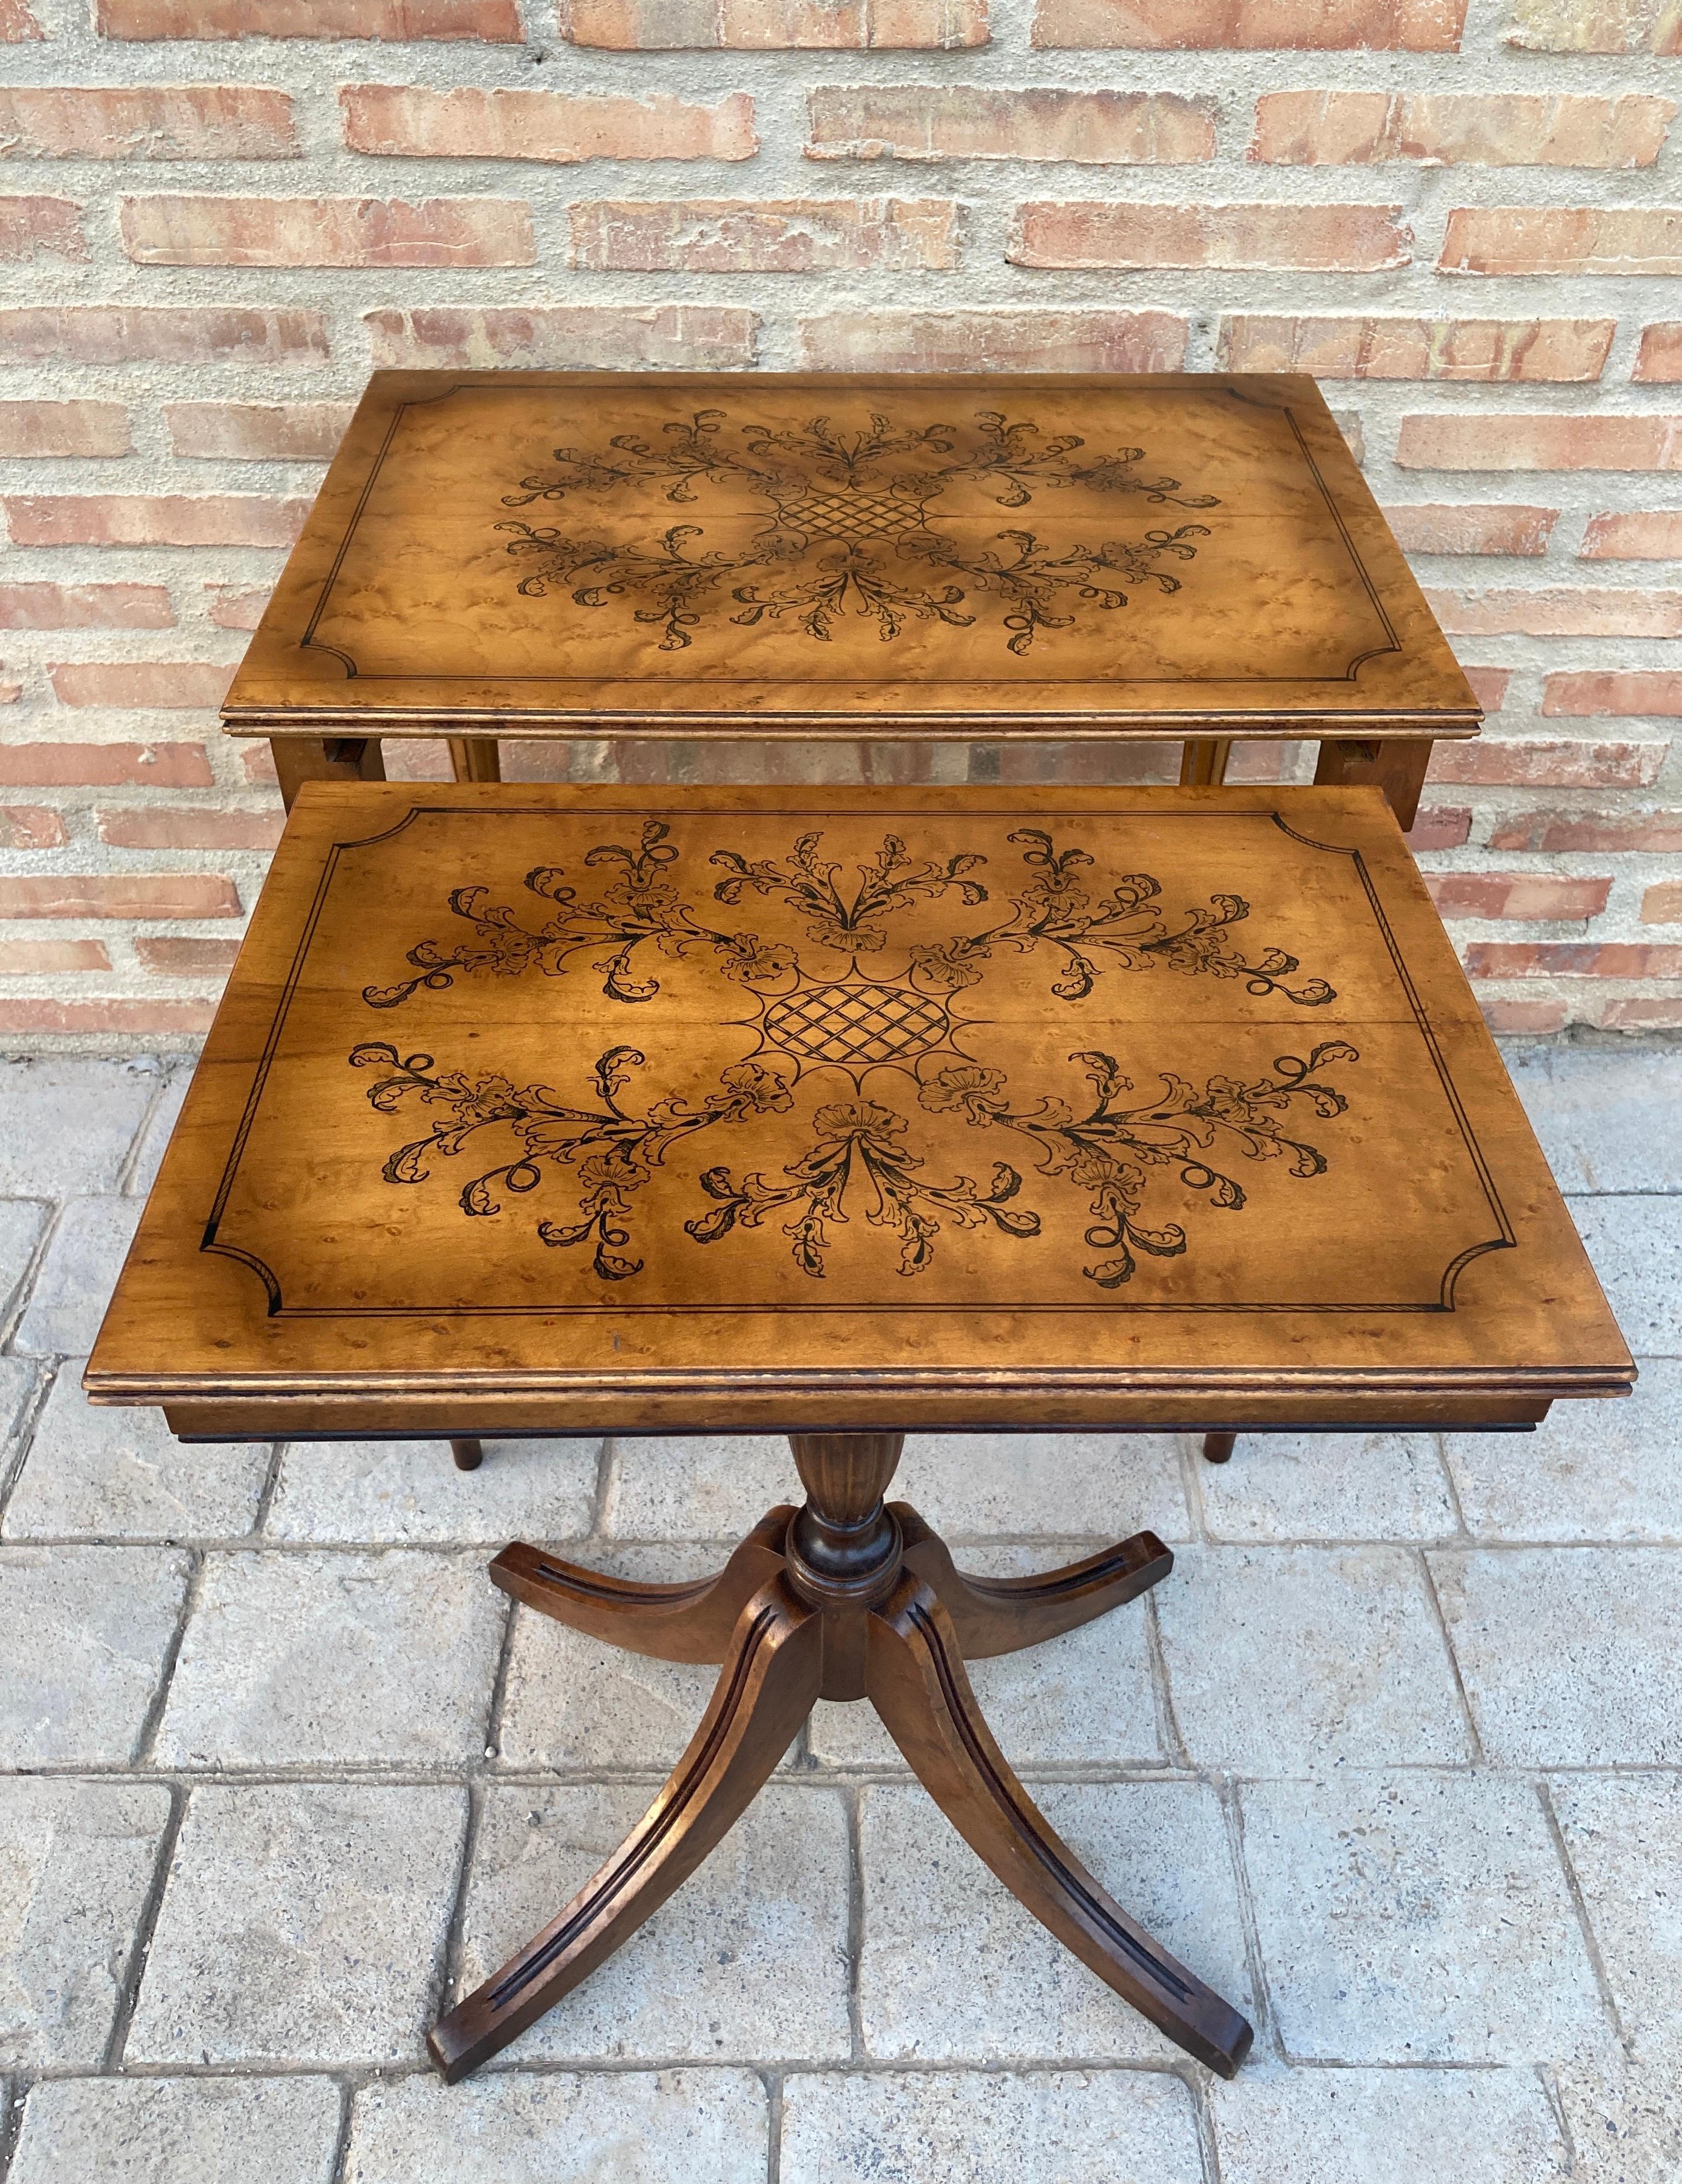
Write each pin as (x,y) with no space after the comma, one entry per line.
(1395,1759)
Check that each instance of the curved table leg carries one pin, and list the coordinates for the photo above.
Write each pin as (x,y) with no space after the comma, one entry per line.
(1001,1615)
(468,1454)
(765,1691)
(919,1688)
(691,1622)
(1217,1447)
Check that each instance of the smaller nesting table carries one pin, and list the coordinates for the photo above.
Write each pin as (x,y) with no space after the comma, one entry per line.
(840,1114)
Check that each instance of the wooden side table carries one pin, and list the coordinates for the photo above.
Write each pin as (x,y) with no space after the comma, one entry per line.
(694,558)
(539,1110)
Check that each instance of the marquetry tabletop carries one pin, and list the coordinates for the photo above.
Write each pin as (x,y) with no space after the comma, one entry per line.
(537,1107)
(681,555)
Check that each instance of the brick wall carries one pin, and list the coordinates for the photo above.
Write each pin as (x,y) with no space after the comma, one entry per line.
(1460,215)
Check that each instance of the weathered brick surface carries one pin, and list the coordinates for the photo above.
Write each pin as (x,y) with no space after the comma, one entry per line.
(214,241)
(1334,128)
(1662,905)
(1516,895)
(113,894)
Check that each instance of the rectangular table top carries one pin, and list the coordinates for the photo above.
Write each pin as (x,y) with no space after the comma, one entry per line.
(583,554)
(588,1107)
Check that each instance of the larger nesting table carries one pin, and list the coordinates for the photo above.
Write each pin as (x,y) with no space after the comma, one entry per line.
(545,1111)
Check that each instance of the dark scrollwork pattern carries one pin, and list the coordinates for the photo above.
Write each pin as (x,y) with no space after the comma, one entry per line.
(848,525)
(859,1153)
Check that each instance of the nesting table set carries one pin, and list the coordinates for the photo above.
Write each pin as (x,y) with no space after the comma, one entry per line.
(842,1112)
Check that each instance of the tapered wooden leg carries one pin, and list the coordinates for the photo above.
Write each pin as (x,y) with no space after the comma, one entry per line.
(916,1681)
(765,1691)
(468,1454)
(1397,766)
(1001,1615)
(474,758)
(1203,765)
(671,1622)
(1217,1447)
(298,759)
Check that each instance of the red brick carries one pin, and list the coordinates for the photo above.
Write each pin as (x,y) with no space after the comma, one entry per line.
(1475,350)
(1311,238)
(206,230)
(581,337)
(1339,128)
(259,763)
(497,21)
(236,606)
(1516,895)
(119,895)
(1539,441)
(1662,905)
(188,827)
(188,685)
(258,431)
(1425,527)
(1593,697)
(1426,26)
(1659,359)
(129,1019)
(31,826)
(974,121)
(1557,612)
(64,428)
(103,765)
(793,235)
(1652,534)
(17,24)
(1633,1014)
(774,25)
(1503,1014)
(1614,239)
(35,959)
(1489,685)
(134,333)
(85,606)
(1440,826)
(177,955)
(176,519)
(1645,833)
(31,228)
(179,121)
(994,341)
(1593,27)
(1570,959)
(470,124)
(1542,762)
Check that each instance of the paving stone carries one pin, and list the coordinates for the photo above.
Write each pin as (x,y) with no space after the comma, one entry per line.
(83,1633)
(1288,1487)
(985,2127)
(600,2127)
(1591,1471)
(696,1486)
(1567,1653)
(190,2130)
(77,1276)
(69,1123)
(154,1138)
(18,1377)
(121,1474)
(411,1491)
(21,1223)
(1065,1485)
(574,1701)
(334,1656)
(1625,2118)
(1636,1245)
(76,1860)
(1594,1110)
(1279,2126)
(1417,1919)
(746,1962)
(954,1969)
(1623,1835)
(303,1923)
(1086,1696)
(1289,1660)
